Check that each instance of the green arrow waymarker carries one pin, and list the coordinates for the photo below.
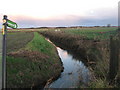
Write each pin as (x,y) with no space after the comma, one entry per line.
(11,24)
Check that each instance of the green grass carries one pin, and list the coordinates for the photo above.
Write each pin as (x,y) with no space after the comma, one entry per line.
(35,67)
(24,73)
(94,33)
(17,40)
(40,44)
(100,83)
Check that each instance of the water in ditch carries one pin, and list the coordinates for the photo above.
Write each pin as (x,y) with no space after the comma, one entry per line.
(75,73)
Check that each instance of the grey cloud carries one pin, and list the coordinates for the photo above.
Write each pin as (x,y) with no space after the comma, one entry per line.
(101,16)
(67,22)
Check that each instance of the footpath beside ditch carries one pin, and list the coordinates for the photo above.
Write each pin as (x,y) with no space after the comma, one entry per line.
(33,63)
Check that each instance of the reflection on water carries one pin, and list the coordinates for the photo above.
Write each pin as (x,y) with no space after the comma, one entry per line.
(0,61)
(74,74)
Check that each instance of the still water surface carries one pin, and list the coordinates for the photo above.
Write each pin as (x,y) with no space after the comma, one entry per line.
(75,73)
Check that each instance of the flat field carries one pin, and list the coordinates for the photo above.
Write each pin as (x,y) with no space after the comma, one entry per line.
(17,40)
(100,33)
(94,32)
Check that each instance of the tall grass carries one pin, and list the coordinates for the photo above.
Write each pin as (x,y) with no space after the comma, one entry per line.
(95,52)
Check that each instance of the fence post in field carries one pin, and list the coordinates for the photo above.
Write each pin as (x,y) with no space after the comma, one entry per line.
(114,58)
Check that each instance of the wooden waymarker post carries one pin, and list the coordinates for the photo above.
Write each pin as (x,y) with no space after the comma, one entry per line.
(13,25)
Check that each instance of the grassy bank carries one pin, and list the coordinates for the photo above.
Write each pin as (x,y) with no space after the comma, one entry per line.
(33,63)
(76,44)
(94,52)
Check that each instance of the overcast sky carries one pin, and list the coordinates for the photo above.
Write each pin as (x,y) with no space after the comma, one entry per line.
(35,13)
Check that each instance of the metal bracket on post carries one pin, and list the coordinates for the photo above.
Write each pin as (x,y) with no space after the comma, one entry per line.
(4,31)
